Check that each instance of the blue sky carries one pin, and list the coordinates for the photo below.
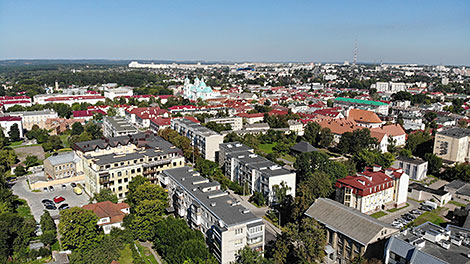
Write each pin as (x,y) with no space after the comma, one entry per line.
(426,31)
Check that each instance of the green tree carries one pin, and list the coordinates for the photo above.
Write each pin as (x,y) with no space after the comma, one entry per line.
(93,130)
(77,128)
(434,163)
(14,133)
(20,170)
(31,161)
(149,191)
(78,228)
(353,142)
(105,195)
(280,192)
(303,243)
(46,222)
(258,199)
(250,256)
(144,218)
(48,237)
(370,158)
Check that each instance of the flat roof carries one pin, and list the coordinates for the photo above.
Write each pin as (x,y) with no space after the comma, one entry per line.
(420,187)
(455,132)
(120,124)
(221,205)
(411,160)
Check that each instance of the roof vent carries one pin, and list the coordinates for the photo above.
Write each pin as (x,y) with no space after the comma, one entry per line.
(213,204)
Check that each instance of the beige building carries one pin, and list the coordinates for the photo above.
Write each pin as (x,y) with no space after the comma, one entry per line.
(31,118)
(112,163)
(227,226)
(349,233)
(62,165)
(453,144)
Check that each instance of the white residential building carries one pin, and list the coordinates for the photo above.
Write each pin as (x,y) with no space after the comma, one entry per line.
(110,215)
(227,226)
(235,122)
(114,126)
(31,118)
(6,122)
(206,140)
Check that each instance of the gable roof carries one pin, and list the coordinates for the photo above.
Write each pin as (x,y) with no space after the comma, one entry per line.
(303,146)
(391,130)
(108,209)
(364,116)
(348,221)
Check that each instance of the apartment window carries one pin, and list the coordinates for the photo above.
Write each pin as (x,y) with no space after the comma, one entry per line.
(119,174)
(120,188)
(238,231)
(138,170)
(126,179)
(120,181)
(238,242)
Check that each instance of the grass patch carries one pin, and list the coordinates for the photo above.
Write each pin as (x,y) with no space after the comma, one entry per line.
(56,246)
(146,254)
(378,214)
(23,210)
(431,216)
(288,157)
(25,146)
(16,143)
(457,203)
(125,255)
(396,209)
(64,138)
(267,148)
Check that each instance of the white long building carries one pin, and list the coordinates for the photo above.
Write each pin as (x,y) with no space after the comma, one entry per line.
(243,166)
(227,226)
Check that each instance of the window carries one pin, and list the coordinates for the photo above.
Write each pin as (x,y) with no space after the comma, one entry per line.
(238,231)
(238,242)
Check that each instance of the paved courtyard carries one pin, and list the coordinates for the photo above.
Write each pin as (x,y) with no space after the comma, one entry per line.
(34,199)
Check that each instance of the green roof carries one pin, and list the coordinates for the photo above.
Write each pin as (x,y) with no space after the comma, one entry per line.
(359,101)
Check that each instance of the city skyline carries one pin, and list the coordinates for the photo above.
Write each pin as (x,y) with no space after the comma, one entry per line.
(390,32)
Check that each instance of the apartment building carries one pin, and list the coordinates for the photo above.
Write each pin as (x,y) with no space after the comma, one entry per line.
(114,126)
(31,118)
(349,233)
(259,174)
(417,169)
(62,165)
(236,123)
(227,226)
(112,163)
(453,144)
(373,189)
(206,140)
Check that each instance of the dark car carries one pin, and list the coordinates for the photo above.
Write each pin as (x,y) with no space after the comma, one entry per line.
(51,188)
(46,201)
(64,206)
(64,186)
(73,184)
(50,206)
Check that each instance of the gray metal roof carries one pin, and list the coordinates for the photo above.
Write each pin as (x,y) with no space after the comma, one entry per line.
(303,147)
(411,160)
(455,132)
(223,209)
(62,158)
(348,221)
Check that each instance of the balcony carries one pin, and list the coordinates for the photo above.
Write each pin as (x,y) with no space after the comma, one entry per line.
(156,163)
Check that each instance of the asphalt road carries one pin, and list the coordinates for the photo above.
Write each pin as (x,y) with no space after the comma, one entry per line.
(34,199)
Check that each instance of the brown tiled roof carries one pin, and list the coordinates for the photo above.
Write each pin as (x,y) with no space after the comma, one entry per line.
(108,209)
(391,130)
(337,126)
(363,116)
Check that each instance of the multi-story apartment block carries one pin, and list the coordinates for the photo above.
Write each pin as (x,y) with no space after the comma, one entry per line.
(257,173)
(227,226)
(206,140)
(373,189)
(417,169)
(236,123)
(453,144)
(350,234)
(31,118)
(62,165)
(112,163)
(114,126)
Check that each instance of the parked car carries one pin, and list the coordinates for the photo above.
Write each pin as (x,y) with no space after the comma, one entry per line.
(50,206)
(46,201)
(58,199)
(45,189)
(51,188)
(73,184)
(64,206)
(64,186)
(77,190)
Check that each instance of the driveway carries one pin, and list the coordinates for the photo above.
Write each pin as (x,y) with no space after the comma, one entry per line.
(392,216)
(34,199)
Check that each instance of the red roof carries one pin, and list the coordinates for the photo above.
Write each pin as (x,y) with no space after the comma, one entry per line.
(327,112)
(178,107)
(254,115)
(161,121)
(10,98)
(147,112)
(78,97)
(86,113)
(191,118)
(278,112)
(16,102)
(10,118)
(108,209)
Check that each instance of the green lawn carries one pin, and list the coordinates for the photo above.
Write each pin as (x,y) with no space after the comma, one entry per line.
(126,255)
(267,148)
(378,214)
(146,254)
(288,157)
(23,210)
(25,146)
(457,203)
(431,216)
(16,143)
(396,209)
(56,246)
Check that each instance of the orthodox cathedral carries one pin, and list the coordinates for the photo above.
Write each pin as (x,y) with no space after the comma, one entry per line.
(198,90)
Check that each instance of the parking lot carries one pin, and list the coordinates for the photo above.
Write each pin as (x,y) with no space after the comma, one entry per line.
(34,199)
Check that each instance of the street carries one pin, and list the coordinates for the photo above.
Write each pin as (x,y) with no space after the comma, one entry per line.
(34,199)
(392,216)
